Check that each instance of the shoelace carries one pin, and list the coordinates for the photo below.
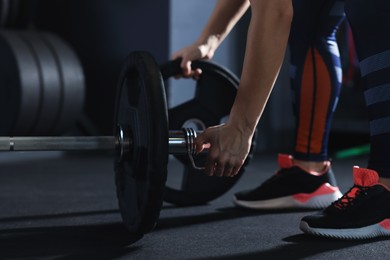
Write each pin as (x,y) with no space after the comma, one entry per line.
(348,198)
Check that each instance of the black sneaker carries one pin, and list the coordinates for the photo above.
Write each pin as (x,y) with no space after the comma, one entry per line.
(292,187)
(363,212)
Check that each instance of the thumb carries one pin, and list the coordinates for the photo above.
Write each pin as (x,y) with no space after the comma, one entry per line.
(186,66)
(201,142)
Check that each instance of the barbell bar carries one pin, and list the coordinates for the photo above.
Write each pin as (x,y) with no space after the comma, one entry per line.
(63,143)
(180,142)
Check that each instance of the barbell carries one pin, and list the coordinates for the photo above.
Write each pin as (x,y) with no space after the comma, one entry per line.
(142,140)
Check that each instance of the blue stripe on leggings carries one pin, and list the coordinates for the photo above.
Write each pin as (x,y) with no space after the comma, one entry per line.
(293,71)
(377,94)
(380,126)
(374,63)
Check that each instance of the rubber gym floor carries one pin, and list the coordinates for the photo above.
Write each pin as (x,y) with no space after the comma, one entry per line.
(58,205)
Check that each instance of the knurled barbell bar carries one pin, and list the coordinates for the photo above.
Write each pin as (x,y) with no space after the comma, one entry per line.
(179,142)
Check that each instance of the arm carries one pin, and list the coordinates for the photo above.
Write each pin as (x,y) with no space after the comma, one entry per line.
(223,18)
(266,44)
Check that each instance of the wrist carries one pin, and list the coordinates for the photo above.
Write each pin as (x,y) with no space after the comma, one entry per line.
(209,45)
(244,126)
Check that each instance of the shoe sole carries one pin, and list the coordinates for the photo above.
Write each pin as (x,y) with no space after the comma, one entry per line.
(372,231)
(302,201)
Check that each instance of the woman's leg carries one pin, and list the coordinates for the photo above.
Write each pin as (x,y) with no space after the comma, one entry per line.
(364,211)
(316,74)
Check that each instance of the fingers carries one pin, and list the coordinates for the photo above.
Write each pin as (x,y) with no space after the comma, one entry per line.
(226,155)
(201,142)
(196,73)
(186,67)
(230,170)
(187,70)
(187,56)
(221,168)
(218,163)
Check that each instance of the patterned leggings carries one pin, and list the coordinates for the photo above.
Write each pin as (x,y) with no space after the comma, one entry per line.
(370,24)
(316,74)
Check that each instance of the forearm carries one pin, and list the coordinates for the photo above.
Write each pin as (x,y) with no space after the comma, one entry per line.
(223,18)
(266,44)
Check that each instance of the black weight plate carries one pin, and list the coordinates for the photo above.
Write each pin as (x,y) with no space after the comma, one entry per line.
(50,84)
(27,86)
(72,82)
(214,96)
(141,107)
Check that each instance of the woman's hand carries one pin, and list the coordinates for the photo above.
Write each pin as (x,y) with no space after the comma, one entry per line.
(229,147)
(195,51)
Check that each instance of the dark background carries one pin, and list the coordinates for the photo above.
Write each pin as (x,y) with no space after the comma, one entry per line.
(101,33)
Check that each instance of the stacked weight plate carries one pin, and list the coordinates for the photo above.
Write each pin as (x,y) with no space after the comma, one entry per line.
(41,84)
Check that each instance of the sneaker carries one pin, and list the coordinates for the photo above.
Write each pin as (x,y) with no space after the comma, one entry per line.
(363,212)
(292,187)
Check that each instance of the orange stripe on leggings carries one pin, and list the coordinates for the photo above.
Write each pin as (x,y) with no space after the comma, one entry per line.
(312,119)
